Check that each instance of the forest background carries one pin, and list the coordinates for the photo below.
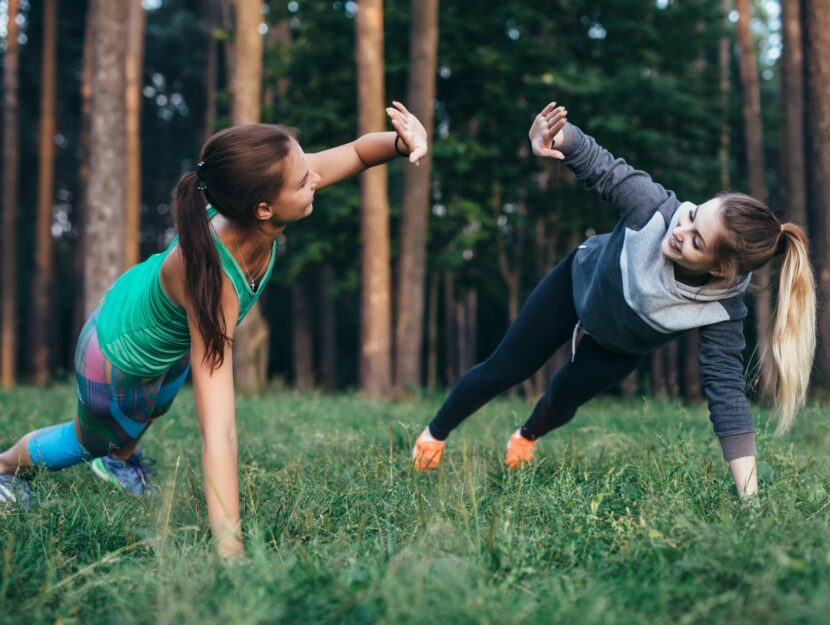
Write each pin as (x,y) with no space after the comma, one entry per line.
(106,104)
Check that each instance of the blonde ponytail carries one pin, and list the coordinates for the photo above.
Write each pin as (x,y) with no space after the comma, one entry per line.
(792,331)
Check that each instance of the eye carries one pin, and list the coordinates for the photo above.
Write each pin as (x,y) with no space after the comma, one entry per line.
(695,244)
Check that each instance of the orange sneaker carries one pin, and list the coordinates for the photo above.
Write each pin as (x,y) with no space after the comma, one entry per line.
(519,450)
(427,453)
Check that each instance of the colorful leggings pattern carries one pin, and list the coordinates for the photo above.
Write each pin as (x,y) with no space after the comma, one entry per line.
(114,407)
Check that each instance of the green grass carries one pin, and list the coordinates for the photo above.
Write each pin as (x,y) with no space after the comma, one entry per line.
(627,517)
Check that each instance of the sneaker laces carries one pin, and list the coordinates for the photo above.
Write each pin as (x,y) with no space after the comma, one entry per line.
(145,467)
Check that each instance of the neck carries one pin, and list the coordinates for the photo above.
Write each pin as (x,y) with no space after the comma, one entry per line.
(691,278)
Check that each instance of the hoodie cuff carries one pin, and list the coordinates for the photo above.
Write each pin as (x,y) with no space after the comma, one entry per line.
(738,446)
(568,139)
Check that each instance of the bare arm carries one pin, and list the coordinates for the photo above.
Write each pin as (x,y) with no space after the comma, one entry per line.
(745,475)
(371,149)
(214,395)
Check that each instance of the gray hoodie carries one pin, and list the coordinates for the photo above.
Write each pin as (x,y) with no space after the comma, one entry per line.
(628,300)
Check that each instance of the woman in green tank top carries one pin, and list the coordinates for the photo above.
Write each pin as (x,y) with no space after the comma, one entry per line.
(179,310)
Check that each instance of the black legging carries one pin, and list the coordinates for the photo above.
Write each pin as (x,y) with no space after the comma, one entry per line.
(544,324)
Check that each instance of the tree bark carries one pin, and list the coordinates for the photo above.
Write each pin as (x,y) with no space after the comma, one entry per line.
(450,347)
(81,206)
(42,288)
(11,175)
(328,330)
(376,308)
(755,166)
(134,75)
(250,350)
(817,55)
(423,51)
(211,70)
(725,64)
(104,257)
(691,370)
(302,345)
(792,87)
(432,331)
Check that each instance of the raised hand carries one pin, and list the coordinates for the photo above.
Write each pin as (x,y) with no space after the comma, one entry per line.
(546,126)
(409,129)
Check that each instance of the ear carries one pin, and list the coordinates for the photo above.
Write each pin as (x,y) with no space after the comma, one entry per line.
(717,272)
(263,211)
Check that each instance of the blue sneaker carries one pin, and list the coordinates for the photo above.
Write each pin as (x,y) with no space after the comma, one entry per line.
(131,475)
(14,489)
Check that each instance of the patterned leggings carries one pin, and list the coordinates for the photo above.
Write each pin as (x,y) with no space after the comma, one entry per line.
(114,407)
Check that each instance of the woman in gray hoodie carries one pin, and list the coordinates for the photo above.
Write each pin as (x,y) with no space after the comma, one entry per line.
(667,267)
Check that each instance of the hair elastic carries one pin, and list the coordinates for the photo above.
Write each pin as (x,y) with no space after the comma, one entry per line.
(200,174)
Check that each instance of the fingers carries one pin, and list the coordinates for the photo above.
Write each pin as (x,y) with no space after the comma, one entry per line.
(400,107)
(548,109)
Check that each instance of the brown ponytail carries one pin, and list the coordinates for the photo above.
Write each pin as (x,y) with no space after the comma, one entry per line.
(240,167)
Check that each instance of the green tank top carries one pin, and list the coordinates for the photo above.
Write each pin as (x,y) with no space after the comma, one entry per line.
(142,331)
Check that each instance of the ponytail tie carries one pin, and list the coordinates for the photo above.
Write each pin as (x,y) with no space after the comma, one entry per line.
(200,174)
(781,244)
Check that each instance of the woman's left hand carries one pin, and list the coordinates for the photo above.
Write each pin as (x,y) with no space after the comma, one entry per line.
(409,129)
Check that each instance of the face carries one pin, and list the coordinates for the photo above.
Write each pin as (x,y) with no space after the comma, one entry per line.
(294,201)
(691,243)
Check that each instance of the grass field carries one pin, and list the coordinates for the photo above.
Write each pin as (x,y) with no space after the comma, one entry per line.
(627,517)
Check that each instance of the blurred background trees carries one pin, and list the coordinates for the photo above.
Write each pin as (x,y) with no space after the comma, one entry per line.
(405,278)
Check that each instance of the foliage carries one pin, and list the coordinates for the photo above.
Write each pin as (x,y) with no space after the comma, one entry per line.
(628,516)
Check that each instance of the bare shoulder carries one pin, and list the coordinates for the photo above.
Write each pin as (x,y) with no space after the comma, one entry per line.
(172,276)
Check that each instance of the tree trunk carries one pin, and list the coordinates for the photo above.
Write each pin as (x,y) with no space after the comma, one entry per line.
(423,48)
(755,166)
(376,307)
(250,350)
(691,370)
(432,331)
(792,88)
(81,206)
(671,369)
(658,372)
(328,330)
(817,55)
(450,346)
(211,70)
(42,288)
(725,65)
(302,345)
(104,254)
(11,175)
(471,323)
(134,75)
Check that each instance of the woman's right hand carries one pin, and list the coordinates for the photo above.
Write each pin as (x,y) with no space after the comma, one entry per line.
(546,131)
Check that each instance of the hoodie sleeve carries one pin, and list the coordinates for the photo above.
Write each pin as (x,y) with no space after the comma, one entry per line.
(722,376)
(631,191)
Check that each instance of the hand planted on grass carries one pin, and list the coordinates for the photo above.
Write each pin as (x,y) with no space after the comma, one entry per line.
(546,126)
(412,133)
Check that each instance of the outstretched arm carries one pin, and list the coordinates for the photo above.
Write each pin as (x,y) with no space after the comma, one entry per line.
(214,393)
(372,149)
(631,191)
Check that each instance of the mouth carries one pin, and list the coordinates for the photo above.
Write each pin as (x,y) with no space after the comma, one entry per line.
(673,244)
